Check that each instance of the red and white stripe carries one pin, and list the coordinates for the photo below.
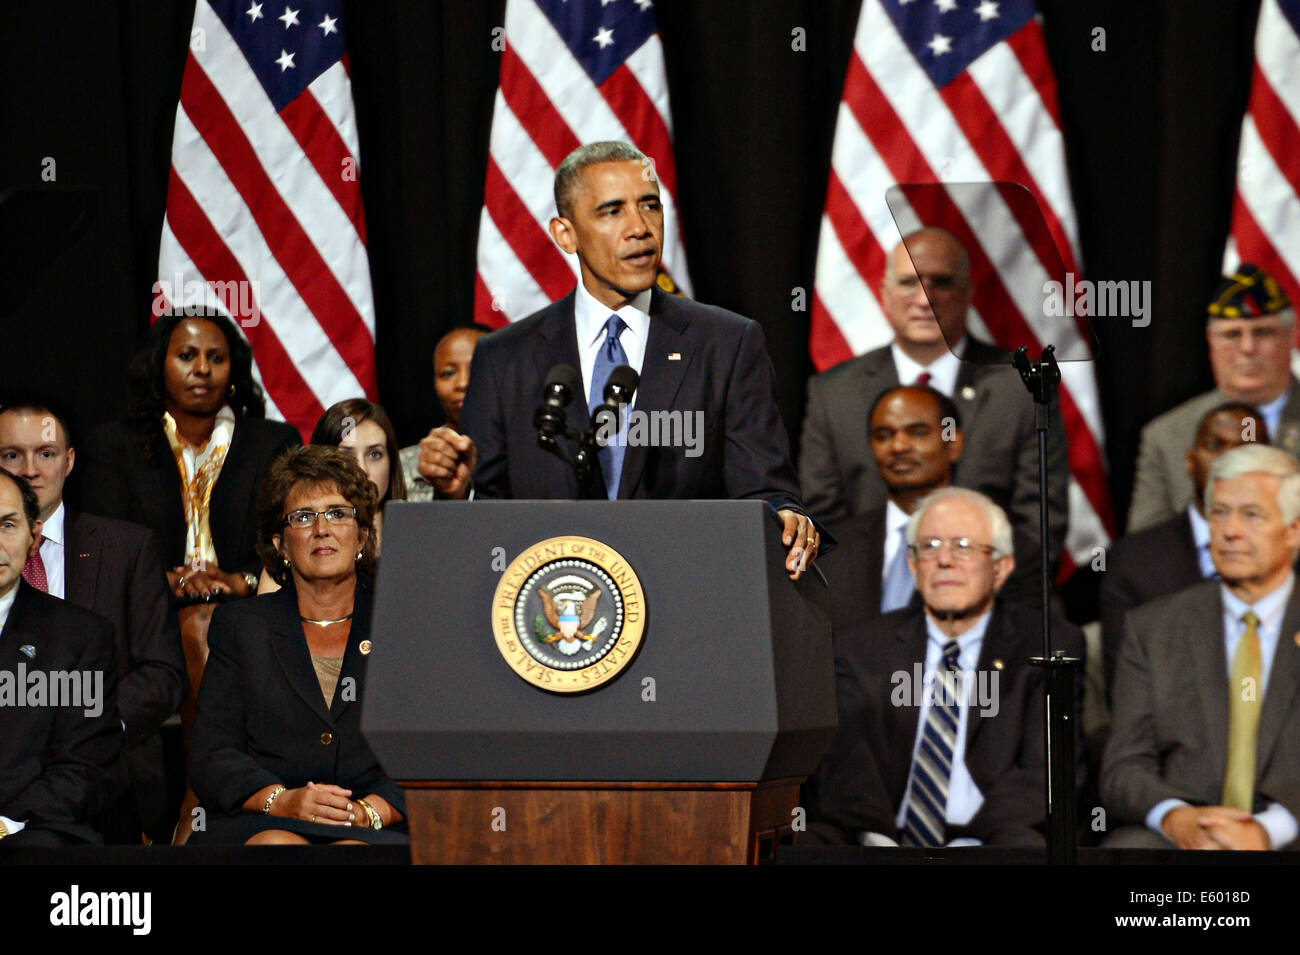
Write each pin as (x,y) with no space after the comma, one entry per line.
(546,106)
(273,199)
(998,121)
(1266,207)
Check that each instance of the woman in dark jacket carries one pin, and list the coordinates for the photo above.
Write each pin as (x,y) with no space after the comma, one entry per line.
(276,754)
(190,455)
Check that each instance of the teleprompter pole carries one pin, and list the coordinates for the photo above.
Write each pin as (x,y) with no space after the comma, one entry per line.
(1042,378)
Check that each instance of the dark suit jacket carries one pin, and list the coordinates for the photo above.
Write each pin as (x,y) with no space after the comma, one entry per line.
(724,371)
(1169,728)
(838,473)
(112,568)
(860,784)
(856,574)
(54,760)
(1139,568)
(119,480)
(261,715)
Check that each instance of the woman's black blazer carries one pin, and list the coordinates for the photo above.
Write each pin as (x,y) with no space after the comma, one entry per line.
(261,714)
(120,480)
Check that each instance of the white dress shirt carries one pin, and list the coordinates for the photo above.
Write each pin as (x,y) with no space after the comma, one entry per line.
(1277,821)
(943,370)
(52,553)
(590,317)
(6,604)
(1272,412)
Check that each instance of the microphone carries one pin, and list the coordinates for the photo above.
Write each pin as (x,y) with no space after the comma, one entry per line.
(550,420)
(619,389)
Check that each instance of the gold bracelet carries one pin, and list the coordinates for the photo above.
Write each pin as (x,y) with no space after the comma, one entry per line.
(4,830)
(266,810)
(375,821)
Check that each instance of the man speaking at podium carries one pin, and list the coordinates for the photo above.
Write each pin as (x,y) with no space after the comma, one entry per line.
(701,363)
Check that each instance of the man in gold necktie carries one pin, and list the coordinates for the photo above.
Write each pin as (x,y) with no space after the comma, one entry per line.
(1202,752)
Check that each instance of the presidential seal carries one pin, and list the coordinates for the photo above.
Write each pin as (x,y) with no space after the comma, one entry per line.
(568,614)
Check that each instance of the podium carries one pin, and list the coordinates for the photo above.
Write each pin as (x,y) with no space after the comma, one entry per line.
(596,681)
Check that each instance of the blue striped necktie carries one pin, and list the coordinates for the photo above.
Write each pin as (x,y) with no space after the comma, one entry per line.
(927,801)
(610,356)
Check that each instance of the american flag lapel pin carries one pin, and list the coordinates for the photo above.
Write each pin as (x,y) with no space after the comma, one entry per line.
(675,356)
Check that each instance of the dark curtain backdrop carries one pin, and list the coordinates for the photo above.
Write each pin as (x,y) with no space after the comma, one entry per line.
(1151,128)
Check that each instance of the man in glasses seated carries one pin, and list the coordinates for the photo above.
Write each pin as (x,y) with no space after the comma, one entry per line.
(940,738)
(1250,330)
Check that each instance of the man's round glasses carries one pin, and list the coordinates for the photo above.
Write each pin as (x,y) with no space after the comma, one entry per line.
(961,548)
(333,515)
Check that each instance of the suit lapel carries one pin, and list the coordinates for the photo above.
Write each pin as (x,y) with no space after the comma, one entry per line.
(81,560)
(1288,426)
(290,648)
(354,661)
(1205,627)
(911,655)
(27,624)
(875,546)
(1282,680)
(231,494)
(660,377)
(162,493)
(999,644)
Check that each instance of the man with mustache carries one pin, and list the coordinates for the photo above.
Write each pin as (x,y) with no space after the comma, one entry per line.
(916,439)
(693,359)
(956,757)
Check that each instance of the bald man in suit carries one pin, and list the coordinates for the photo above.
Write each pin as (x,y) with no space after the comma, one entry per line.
(837,471)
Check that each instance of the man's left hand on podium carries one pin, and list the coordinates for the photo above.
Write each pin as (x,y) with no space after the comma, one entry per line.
(800,535)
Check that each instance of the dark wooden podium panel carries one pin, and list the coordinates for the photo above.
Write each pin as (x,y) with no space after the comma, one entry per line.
(460,823)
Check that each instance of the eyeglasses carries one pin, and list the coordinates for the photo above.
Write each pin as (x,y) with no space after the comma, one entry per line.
(961,548)
(1235,337)
(933,283)
(333,515)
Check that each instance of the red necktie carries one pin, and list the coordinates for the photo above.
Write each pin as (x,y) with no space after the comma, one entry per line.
(923,379)
(34,570)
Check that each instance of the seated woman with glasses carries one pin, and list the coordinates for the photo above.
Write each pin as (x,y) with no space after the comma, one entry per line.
(276,755)
(363,430)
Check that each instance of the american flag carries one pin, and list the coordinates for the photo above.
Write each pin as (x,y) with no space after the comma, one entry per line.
(958,91)
(264,199)
(1266,208)
(572,72)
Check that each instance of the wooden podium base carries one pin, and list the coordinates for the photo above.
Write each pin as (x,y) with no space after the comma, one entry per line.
(461,823)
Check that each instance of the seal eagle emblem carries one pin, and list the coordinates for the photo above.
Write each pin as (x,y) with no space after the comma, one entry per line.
(568,614)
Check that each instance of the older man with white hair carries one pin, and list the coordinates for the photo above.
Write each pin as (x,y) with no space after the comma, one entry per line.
(940,739)
(1202,753)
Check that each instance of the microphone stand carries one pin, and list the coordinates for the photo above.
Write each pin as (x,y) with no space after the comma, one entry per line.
(551,422)
(1042,378)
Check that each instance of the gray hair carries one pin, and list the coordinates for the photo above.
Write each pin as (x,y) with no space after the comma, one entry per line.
(933,232)
(1260,459)
(589,155)
(999,526)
